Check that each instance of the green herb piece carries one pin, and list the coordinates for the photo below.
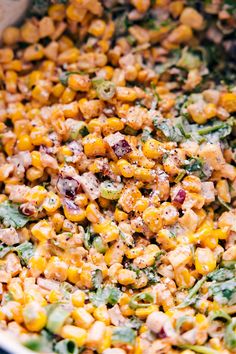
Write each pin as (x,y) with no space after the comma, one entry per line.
(171,133)
(10,215)
(111,190)
(84,131)
(97,278)
(66,346)
(57,316)
(78,129)
(135,301)
(230,335)
(35,344)
(221,275)
(224,292)
(124,335)
(195,166)
(134,323)
(25,251)
(181,321)
(189,61)
(180,176)
(146,134)
(220,315)
(229,264)
(105,89)
(64,77)
(151,274)
(107,295)
(4,250)
(189,299)
(99,244)
(224,127)
(42,343)
(87,238)
(130,131)
(199,349)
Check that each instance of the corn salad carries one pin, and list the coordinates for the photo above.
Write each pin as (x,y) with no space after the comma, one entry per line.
(118,177)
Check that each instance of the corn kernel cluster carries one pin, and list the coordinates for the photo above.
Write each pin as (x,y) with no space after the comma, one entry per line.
(118,177)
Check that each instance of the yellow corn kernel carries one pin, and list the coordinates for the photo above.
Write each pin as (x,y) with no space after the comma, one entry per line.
(57,12)
(93,213)
(68,56)
(6,55)
(220,234)
(96,334)
(125,168)
(94,146)
(17,111)
(37,265)
(152,149)
(141,5)
(106,342)
(112,125)
(101,314)
(58,90)
(205,261)
(120,215)
(35,317)
(126,94)
(107,230)
(95,126)
(73,274)
(11,78)
(181,34)
(52,202)
(223,191)
(129,197)
(24,143)
(97,28)
(54,296)
(42,230)
(11,35)
(228,101)
(126,277)
(77,215)
(38,137)
(82,318)
(151,217)
(37,194)
(192,18)
(16,291)
(183,277)
(114,254)
(68,95)
(34,173)
(74,333)
(33,52)
(78,298)
(75,13)
(144,312)
(210,241)
(56,269)
(79,82)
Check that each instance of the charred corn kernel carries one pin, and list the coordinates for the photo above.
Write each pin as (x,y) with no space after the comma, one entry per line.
(205,261)
(78,298)
(73,274)
(74,333)
(126,277)
(151,217)
(35,317)
(144,312)
(228,101)
(52,202)
(125,168)
(94,146)
(42,230)
(37,265)
(82,318)
(152,149)
(120,215)
(101,314)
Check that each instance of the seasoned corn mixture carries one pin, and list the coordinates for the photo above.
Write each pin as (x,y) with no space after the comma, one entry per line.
(118,177)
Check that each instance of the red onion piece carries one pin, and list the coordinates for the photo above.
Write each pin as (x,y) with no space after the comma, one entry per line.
(67,186)
(180,196)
